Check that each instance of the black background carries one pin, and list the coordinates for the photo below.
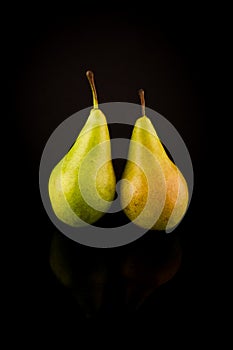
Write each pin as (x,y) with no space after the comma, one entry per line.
(170,55)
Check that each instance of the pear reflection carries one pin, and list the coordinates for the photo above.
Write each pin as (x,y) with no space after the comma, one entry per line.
(104,281)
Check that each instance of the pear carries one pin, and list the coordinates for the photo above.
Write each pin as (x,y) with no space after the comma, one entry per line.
(154,193)
(82,184)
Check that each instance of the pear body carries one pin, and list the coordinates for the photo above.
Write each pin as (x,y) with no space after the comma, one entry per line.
(82,185)
(155,195)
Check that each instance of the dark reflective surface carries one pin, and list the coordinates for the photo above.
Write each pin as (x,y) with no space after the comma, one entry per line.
(110,280)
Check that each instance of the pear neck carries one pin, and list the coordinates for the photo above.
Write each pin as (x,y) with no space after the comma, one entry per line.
(145,124)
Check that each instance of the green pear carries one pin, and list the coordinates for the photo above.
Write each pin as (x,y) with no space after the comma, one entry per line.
(154,193)
(82,185)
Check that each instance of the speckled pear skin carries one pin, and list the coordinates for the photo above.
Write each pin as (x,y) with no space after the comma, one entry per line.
(176,190)
(64,186)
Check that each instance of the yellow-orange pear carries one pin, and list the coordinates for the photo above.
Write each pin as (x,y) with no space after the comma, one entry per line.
(154,193)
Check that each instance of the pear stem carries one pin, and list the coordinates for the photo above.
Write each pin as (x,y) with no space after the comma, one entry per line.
(90,77)
(142,98)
